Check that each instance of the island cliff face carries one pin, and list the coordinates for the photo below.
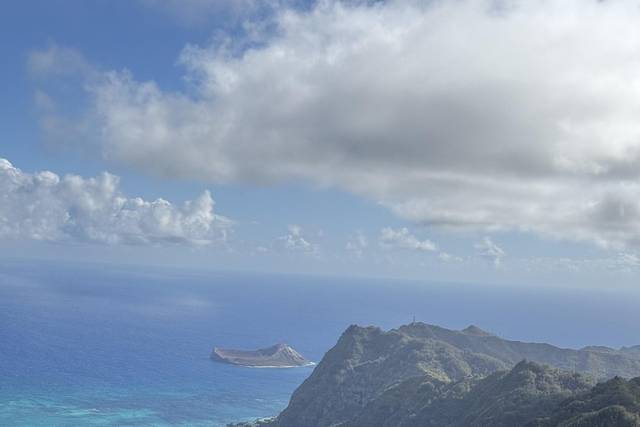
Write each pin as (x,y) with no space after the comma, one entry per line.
(424,375)
(276,356)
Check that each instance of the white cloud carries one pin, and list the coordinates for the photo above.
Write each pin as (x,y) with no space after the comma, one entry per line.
(58,61)
(488,250)
(45,206)
(357,244)
(447,257)
(202,12)
(402,239)
(294,241)
(518,115)
(629,260)
(622,262)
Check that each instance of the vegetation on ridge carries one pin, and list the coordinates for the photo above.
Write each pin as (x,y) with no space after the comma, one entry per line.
(424,375)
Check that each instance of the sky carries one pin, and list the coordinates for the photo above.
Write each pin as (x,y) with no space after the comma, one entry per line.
(488,141)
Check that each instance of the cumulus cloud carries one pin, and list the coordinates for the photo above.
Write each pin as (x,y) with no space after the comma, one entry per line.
(518,115)
(294,241)
(402,239)
(45,206)
(488,250)
(357,244)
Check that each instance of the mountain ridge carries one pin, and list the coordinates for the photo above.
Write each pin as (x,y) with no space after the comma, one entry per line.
(368,362)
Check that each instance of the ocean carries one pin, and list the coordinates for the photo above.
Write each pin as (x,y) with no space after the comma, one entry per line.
(104,345)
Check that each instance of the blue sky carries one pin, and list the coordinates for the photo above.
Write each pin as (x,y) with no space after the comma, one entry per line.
(400,138)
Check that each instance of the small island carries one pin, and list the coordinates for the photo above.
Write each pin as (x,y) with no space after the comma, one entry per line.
(276,356)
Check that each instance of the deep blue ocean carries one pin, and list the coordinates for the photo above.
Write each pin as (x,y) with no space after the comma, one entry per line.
(123,346)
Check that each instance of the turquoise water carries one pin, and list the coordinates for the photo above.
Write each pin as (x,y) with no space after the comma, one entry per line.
(101,348)
(107,346)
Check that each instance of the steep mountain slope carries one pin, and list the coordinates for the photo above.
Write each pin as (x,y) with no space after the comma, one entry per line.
(612,403)
(529,395)
(366,362)
(503,399)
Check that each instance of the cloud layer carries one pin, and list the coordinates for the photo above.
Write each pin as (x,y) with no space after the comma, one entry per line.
(403,239)
(518,115)
(45,206)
